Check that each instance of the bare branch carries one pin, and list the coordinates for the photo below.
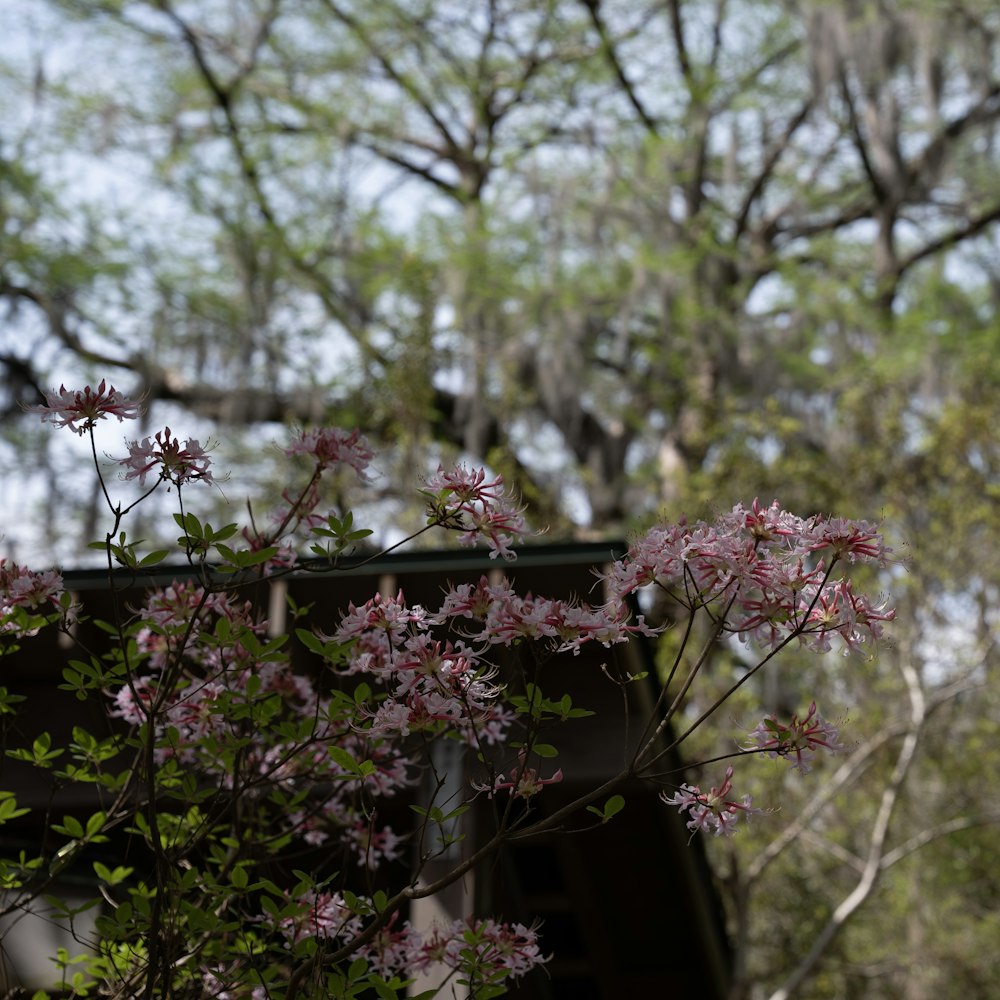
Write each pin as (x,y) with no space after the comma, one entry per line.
(767,168)
(405,83)
(972,227)
(876,842)
(928,836)
(611,54)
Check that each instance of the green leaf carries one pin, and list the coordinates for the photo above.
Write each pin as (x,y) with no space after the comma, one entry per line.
(109,876)
(8,807)
(190,524)
(343,759)
(154,557)
(384,991)
(95,824)
(71,827)
(613,806)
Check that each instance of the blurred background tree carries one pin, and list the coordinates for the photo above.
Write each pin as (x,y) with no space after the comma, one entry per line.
(639,257)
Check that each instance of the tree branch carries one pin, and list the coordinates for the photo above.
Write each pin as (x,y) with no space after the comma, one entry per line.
(972,227)
(876,842)
(611,54)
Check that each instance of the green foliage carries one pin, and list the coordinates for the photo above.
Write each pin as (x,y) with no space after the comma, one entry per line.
(612,807)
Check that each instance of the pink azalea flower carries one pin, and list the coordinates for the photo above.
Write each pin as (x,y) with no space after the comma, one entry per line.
(712,811)
(523,783)
(373,846)
(464,499)
(393,949)
(175,462)
(27,588)
(85,407)
(325,915)
(512,948)
(764,566)
(799,740)
(837,611)
(332,446)
(508,949)
(857,541)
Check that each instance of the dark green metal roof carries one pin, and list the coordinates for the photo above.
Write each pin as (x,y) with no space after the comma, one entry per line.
(430,561)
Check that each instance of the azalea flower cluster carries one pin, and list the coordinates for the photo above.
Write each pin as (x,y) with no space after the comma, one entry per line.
(439,686)
(25,588)
(713,811)
(29,598)
(506,617)
(175,462)
(764,574)
(331,446)
(432,686)
(488,951)
(483,951)
(478,507)
(193,712)
(80,410)
(797,740)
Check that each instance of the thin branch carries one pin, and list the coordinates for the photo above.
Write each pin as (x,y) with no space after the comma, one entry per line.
(860,143)
(852,768)
(402,81)
(677,29)
(767,168)
(972,227)
(610,53)
(926,837)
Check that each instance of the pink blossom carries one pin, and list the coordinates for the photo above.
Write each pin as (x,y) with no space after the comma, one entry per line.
(491,726)
(509,947)
(393,949)
(133,702)
(463,499)
(22,587)
(511,618)
(473,601)
(523,783)
(763,572)
(85,407)
(494,949)
(857,541)
(489,950)
(854,618)
(29,599)
(387,616)
(799,740)
(514,618)
(332,446)
(607,625)
(175,462)
(373,846)
(767,524)
(713,811)
(324,915)
(655,557)
(310,828)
